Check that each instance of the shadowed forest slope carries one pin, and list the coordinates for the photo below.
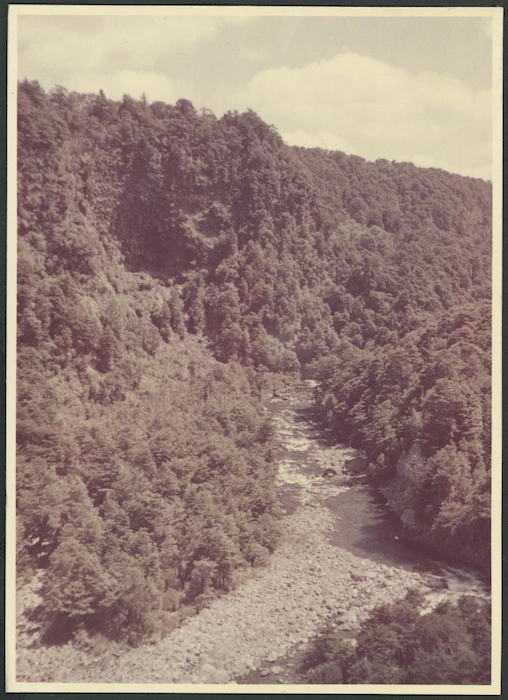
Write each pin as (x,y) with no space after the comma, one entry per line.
(170,265)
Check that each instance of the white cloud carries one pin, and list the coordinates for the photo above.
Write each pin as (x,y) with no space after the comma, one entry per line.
(47,45)
(350,102)
(375,110)
(53,48)
(155,86)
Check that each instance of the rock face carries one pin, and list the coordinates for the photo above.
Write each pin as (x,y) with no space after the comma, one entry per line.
(329,473)
(408,475)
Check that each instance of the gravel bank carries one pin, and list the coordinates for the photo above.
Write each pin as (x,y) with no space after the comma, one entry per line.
(255,630)
(307,581)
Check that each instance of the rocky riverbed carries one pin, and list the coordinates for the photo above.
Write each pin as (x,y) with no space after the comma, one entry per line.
(255,633)
(307,581)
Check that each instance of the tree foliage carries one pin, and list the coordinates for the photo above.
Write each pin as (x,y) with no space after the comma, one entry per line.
(150,235)
(399,645)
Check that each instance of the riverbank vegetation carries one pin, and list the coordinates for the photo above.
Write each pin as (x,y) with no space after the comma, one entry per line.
(170,264)
(397,645)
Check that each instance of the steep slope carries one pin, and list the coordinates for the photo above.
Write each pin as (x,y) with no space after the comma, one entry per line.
(146,229)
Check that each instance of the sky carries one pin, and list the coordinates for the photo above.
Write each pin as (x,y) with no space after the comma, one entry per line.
(405,88)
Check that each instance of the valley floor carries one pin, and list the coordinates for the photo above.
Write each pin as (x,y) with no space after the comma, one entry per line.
(307,581)
(256,633)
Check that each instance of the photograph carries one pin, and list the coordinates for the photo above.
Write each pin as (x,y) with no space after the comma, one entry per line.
(254,349)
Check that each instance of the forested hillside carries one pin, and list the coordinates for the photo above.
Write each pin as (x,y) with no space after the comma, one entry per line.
(170,264)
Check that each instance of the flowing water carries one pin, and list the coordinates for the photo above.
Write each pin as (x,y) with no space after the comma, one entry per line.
(341,555)
(365,527)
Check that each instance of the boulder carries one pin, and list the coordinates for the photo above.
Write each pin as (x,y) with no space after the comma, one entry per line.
(437,583)
(350,618)
(358,465)
(357,576)
(211,674)
(364,575)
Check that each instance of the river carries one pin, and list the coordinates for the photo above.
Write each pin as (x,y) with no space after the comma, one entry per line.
(364,525)
(341,555)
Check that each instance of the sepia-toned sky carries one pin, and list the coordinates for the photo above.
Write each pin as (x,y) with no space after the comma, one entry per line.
(408,88)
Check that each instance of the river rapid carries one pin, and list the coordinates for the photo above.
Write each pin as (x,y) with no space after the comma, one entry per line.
(363,525)
(341,555)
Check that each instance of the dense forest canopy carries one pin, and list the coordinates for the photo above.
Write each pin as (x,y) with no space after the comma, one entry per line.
(169,265)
